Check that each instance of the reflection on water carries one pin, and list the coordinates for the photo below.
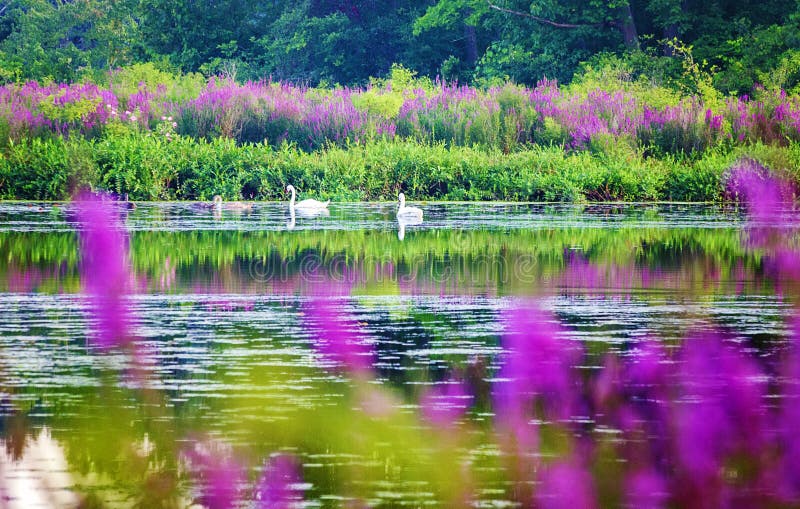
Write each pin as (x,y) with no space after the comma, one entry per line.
(38,475)
(48,217)
(234,370)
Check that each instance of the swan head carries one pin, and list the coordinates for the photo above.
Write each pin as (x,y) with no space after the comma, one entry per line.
(289,188)
(217,199)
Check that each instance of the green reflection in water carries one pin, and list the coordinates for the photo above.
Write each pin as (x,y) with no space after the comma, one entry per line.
(502,262)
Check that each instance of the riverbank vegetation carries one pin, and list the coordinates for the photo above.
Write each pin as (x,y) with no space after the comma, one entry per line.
(645,101)
(179,137)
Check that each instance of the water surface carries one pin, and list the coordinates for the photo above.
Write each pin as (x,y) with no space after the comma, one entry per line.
(226,351)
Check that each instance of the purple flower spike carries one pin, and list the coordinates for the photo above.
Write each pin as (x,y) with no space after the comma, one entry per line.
(220,476)
(566,485)
(646,489)
(279,486)
(444,404)
(105,271)
(719,414)
(339,340)
(537,364)
(766,196)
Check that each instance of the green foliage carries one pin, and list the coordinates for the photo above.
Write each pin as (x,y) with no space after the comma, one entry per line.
(47,169)
(72,112)
(634,72)
(698,77)
(173,85)
(149,166)
(730,44)
(785,74)
(66,41)
(385,96)
(384,103)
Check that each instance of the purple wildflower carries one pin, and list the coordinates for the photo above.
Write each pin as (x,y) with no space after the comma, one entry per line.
(566,484)
(444,404)
(105,271)
(646,489)
(536,365)
(339,340)
(219,474)
(719,414)
(278,487)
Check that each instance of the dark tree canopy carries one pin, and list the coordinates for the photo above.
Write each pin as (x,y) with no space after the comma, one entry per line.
(347,42)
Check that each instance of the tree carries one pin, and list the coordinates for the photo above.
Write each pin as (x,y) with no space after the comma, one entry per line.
(65,40)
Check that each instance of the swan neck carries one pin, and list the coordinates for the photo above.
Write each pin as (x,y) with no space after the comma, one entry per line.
(291,203)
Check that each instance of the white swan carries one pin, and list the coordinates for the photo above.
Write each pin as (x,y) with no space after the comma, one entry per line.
(408,212)
(308,205)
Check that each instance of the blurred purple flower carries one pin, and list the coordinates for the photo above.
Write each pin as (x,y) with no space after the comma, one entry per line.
(765,195)
(444,404)
(537,363)
(566,485)
(105,271)
(279,486)
(718,414)
(219,475)
(788,419)
(645,489)
(339,339)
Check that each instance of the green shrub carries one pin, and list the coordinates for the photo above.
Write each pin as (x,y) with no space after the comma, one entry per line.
(48,169)
(175,86)
(151,166)
(137,164)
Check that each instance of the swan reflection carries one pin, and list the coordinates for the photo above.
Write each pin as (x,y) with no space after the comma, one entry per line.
(402,222)
(304,213)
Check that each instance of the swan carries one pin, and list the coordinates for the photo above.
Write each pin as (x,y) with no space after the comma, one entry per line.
(407,212)
(308,205)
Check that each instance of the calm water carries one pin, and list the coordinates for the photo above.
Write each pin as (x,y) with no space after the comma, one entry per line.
(225,352)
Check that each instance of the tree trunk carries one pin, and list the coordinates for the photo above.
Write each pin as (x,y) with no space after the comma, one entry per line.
(471,42)
(627,26)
